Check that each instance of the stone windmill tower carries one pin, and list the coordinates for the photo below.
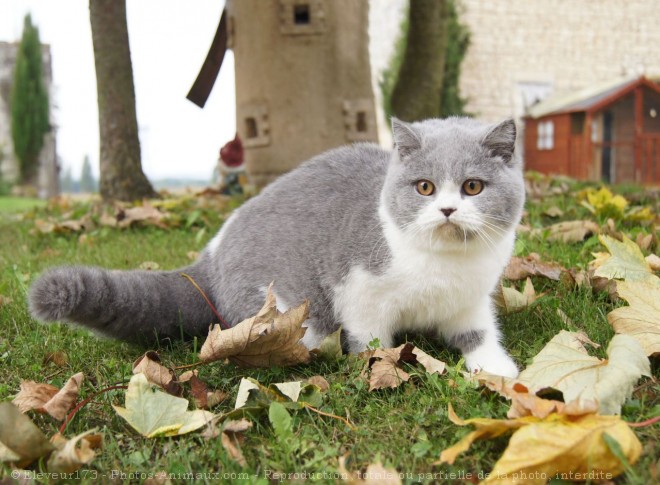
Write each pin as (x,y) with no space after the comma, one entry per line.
(303,79)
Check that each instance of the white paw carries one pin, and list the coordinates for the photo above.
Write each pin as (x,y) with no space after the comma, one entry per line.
(501,365)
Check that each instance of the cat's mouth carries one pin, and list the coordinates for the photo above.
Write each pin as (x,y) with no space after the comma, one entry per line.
(452,231)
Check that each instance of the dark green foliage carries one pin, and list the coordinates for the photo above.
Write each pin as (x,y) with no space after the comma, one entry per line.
(458,39)
(29,103)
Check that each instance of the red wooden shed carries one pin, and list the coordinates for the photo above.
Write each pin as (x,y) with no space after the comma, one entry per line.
(609,132)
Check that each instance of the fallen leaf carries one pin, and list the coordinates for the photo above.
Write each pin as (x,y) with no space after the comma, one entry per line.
(149,266)
(45,398)
(205,398)
(553,211)
(320,382)
(59,359)
(385,365)
(375,474)
(144,214)
(150,365)
(641,319)
(644,241)
(520,268)
(565,365)
(68,456)
(330,347)
(626,262)
(543,448)
(21,441)
(154,413)
(653,261)
(270,338)
(231,437)
(570,231)
(604,203)
(511,300)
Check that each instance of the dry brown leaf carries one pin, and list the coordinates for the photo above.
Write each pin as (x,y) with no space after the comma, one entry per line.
(320,382)
(150,365)
(68,456)
(232,437)
(520,268)
(553,211)
(644,241)
(204,398)
(375,474)
(653,262)
(45,398)
(543,448)
(145,214)
(572,231)
(59,359)
(511,300)
(386,368)
(641,319)
(21,441)
(270,338)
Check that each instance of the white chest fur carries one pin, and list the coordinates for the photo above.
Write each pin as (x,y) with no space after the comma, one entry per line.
(421,289)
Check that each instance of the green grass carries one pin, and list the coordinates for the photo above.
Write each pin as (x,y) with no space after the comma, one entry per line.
(14,204)
(406,428)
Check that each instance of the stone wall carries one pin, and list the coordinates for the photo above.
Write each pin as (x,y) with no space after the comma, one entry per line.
(48,183)
(523,50)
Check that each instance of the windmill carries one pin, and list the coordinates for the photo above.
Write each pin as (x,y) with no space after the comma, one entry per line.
(303,79)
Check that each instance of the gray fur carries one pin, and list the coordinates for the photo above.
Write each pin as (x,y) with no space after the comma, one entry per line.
(468,341)
(304,232)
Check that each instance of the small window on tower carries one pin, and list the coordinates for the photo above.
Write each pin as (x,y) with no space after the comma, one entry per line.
(301,14)
(361,122)
(251,128)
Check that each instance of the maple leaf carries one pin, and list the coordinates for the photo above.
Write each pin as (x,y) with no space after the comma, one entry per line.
(21,442)
(150,365)
(68,456)
(543,448)
(626,262)
(520,268)
(565,365)
(205,398)
(605,204)
(145,214)
(511,300)
(641,319)
(386,370)
(154,413)
(570,231)
(45,398)
(271,338)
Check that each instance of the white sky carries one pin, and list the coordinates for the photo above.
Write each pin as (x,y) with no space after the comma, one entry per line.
(169,41)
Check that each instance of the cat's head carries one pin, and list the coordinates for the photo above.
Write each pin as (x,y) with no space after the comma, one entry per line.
(454,182)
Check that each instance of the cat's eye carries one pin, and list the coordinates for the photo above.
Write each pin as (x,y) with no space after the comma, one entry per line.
(424,187)
(473,187)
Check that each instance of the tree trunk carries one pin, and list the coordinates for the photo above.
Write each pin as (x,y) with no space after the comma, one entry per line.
(121,169)
(418,89)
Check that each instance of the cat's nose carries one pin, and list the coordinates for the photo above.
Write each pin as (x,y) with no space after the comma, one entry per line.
(447,211)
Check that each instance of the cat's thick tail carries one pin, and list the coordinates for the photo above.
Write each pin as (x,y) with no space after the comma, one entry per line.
(136,306)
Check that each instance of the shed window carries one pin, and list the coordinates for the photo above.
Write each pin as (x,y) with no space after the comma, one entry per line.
(301,14)
(545,135)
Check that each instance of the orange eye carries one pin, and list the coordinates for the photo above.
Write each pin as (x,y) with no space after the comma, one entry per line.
(473,187)
(424,187)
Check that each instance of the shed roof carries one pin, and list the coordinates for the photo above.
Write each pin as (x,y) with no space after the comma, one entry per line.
(590,98)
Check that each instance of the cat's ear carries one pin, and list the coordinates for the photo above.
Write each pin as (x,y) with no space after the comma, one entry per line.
(405,138)
(500,141)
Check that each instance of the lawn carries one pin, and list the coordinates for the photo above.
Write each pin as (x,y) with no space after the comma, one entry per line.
(14,204)
(404,428)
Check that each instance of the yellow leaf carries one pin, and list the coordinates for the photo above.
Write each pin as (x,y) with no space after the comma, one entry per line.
(605,203)
(641,319)
(565,365)
(154,413)
(627,262)
(270,338)
(563,447)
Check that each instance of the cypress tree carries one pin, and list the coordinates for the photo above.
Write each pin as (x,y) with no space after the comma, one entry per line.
(29,103)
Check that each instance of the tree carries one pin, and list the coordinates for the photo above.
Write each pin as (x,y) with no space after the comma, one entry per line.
(87,180)
(66,181)
(120,163)
(422,80)
(29,103)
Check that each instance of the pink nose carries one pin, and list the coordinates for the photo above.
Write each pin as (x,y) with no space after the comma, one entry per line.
(447,211)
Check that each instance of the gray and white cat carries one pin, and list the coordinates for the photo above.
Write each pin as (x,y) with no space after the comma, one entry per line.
(413,239)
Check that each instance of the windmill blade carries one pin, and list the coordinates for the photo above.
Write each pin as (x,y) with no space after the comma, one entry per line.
(201,88)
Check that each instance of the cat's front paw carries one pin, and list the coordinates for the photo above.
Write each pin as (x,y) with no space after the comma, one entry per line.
(501,365)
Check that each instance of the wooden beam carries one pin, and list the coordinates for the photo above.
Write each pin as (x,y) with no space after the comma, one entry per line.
(201,88)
